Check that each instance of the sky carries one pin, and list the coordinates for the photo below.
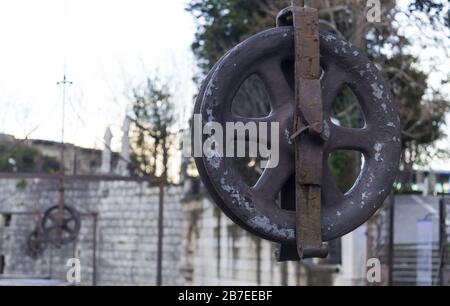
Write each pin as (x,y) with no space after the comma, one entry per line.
(435,63)
(104,46)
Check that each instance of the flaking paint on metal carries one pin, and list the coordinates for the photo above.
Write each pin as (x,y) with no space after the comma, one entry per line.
(263,223)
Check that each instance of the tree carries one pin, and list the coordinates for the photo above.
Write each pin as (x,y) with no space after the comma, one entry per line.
(223,24)
(152,120)
(16,157)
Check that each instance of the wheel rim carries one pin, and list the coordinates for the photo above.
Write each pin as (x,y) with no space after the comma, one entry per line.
(61,233)
(253,207)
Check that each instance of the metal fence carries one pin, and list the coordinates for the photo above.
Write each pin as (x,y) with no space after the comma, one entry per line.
(444,242)
(380,239)
(425,262)
(424,258)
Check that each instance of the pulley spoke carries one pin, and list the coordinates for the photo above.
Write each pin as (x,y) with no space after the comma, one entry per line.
(52,228)
(238,119)
(350,139)
(53,218)
(333,82)
(67,228)
(281,120)
(277,85)
(254,130)
(69,219)
(273,179)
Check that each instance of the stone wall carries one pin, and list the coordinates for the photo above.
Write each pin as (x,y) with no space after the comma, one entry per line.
(201,245)
(218,252)
(126,230)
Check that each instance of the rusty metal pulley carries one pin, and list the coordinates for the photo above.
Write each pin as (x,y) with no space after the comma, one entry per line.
(271,55)
(36,244)
(61,226)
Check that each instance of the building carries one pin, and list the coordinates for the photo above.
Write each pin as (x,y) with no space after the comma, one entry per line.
(77,160)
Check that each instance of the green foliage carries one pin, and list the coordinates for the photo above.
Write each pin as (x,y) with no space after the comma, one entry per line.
(343,166)
(435,10)
(152,117)
(422,119)
(24,159)
(347,111)
(21,184)
(224,23)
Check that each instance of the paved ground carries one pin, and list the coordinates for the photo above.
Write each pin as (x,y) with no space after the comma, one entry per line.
(23,280)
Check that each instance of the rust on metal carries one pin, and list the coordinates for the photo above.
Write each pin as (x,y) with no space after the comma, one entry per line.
(36,244)
(61,230)
(309,144)
(298,3)
(255,208)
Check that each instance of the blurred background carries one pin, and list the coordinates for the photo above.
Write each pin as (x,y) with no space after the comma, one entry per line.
(96,100)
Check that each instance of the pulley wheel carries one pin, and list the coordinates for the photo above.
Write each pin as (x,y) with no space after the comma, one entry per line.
(61,231)
(36,244)
(254,207)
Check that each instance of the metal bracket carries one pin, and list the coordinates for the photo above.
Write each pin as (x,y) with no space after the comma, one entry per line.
(285,17)
(308,134)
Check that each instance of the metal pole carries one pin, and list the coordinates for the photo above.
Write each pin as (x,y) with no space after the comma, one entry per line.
(442,238)
(50,262)
(160,233)
(299,3)
(94,253)
(64,84)
(391,250)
